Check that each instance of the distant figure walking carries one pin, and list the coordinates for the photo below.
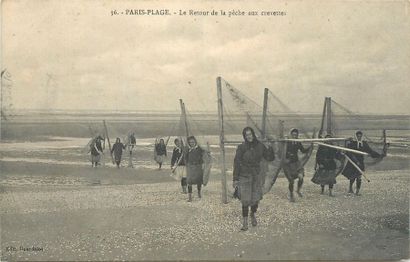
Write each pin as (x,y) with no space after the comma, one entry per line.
(117,149)
(178,164)
(160,152)
(96,151)
(131,145)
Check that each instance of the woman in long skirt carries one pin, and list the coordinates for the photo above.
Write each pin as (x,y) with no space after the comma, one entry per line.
(325,173)
(178,164)
(160,152)
(117,149)
(247,176)
(194,165)
(350,171)
(96,151)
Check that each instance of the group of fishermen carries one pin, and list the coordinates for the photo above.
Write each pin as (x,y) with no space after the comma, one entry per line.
(248,180)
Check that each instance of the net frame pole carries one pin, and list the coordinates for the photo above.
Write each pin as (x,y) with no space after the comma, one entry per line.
(221,140)
(329,115)
(108,140)
(183,112)
(322,124)
(265,109)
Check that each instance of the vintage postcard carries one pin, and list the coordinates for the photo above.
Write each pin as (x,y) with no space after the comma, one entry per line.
(204,130)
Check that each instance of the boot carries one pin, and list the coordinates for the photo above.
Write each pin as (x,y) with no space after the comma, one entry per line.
(245,224)
(357,191)
(291,197)
(254,222)
(323,190)
(350,190)
(189,197)
(199,194)
(184,189)
(299,193)
(330,192)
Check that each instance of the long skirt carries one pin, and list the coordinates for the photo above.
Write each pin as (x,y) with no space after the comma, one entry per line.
(324,177)
(250,188)
(179,173)
(117,157)
(96,158)
(195,174)
(293,170)
(159,158)
(350,172)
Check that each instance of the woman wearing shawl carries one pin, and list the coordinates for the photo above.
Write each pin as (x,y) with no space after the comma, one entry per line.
(160,152)
(247,176)
(325,168)
(178,164)
(351,172)
(117,149)
(96,151)
(292,167)
(194,164)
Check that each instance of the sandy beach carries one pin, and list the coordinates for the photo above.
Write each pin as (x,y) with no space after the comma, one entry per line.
(81,213)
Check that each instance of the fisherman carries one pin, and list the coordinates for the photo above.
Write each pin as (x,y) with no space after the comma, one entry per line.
(160,152)
(96,151)
(247,176)
(117,149)
(292,167)
(350,171)
(194,165)
(325,167)
(178,164)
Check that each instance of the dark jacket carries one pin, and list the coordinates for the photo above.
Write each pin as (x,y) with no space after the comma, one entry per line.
(194,156)
(326,156)
(248,157)
(132,140)
(176,155)
(97,144)
(161,149)
(359,159)
(292,149)
(117,149)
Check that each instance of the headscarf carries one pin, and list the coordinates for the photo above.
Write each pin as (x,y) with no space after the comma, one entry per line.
(196,142)
(359,142)
(254,141)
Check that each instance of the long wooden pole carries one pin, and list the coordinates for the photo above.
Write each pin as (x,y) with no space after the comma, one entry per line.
(322,124)
(108,140)
(329,115)
(303,140)
(265,109)
(221,140)
(344,149)
(183,112)
(357,167)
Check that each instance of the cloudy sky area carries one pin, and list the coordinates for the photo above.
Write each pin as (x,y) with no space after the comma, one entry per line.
(74,55)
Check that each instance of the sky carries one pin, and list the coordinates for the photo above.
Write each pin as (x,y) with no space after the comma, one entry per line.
(75,55)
